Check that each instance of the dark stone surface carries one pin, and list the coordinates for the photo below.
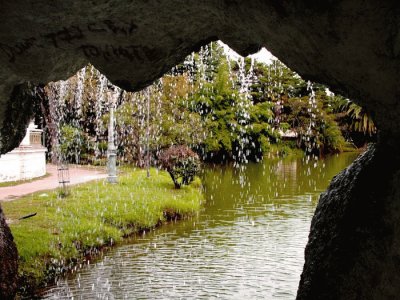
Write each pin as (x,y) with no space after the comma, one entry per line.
(18,112)
(8,261)
(351,45)
(353,250)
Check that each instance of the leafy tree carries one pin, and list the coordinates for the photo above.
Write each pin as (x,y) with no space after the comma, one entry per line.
(223,109)
(181,163)
(355,122)
(74,144)
(316,128)
(361,119)
(170,120)
(238,128)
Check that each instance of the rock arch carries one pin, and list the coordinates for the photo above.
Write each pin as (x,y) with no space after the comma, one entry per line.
(353,46)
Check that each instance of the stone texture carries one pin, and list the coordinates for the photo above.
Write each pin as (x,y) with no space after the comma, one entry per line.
(354,245)
(8,261)
(351,45)
(18,111)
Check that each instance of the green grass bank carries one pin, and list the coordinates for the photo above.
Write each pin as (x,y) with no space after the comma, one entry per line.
(67,231)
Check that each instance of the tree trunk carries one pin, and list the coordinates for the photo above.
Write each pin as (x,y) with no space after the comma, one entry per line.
(176,183)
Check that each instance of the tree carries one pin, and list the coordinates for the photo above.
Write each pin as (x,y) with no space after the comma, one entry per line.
(355,122)
(74,144)
(361,119)
(181,163)
(223,109)
(238,124)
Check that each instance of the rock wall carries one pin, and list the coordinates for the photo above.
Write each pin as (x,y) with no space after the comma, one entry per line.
(8,261)
(18,111)
(354,245)
(351,45)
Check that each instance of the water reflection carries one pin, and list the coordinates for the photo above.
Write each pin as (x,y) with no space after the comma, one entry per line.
(247,243)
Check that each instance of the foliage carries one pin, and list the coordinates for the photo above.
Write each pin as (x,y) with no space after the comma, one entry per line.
(170,121)
(361,120)
(181,163)
(93,216)
(316,129)
(74,144)
(225,110)
(355,122)
(237,127)
(277,83)
(330,137)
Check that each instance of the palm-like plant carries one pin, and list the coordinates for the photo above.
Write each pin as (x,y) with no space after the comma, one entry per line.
(361,120)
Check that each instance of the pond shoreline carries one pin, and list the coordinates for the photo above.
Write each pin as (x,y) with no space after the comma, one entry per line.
(93,256)
(95,217)
(246,243)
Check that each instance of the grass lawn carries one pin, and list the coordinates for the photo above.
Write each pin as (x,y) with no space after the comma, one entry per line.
(94,215)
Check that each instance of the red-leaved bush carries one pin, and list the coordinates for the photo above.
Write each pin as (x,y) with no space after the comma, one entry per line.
(181,163)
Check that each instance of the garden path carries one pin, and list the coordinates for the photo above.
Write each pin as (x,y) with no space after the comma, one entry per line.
(77,174)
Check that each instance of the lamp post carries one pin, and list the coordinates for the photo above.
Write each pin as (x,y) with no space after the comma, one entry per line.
(148,132)
(111,149)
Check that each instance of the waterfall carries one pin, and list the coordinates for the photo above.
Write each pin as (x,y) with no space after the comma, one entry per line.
(244,103)
(312,110)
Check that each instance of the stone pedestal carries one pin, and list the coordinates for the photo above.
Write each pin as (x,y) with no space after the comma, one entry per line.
(27,161)
(112,165)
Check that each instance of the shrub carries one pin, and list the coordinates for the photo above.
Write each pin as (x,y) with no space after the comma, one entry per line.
(181,163)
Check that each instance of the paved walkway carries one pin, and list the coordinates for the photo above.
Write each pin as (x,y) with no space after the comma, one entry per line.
(77,174)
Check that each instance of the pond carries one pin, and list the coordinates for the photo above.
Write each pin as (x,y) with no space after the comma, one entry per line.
(248,242)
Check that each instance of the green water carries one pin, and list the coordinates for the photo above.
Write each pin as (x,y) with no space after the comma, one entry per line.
(248,242)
